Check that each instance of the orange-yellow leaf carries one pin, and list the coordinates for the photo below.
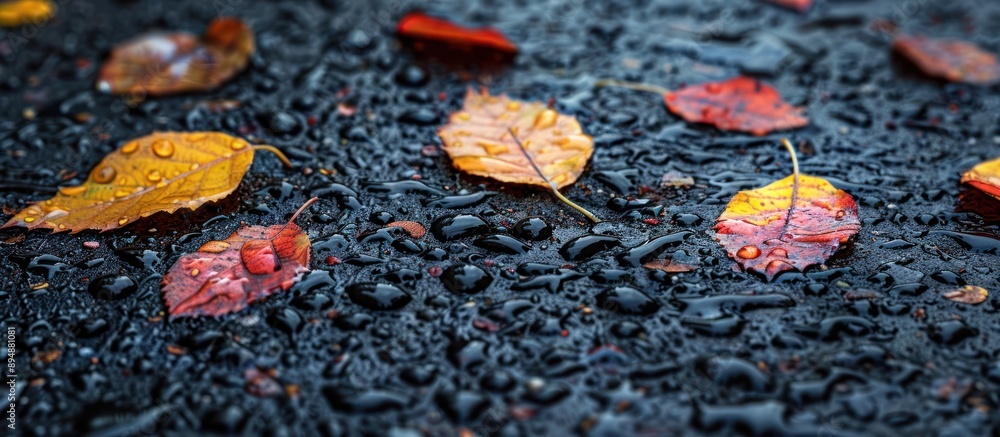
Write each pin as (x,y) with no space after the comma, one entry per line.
(778,227)
(985,177)
(486,137)
(952,60)
(517,142)
(162,172)
(14,13)
(170,63)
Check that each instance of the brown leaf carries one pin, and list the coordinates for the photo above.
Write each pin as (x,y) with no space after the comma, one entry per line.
(162,172)
(669,266)
(223,277)
(170,63)
(955,61)
(517,142)
(969,294)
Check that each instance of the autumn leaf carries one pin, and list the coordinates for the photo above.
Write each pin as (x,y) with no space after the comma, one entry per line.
(797,5)
(223,277)
(790,224)
(517,142)
(14,13)
(423,29)
(738,104)
(985,177)
(952,60)
(170,63)
(969,294)
(162,172)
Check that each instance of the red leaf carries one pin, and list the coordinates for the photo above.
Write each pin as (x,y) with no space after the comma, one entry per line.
(798,5)
(952,60)
(171,63)
(222,277)
(739,104)
(422,27)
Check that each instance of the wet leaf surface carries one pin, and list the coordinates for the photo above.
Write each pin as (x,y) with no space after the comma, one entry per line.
(162,172)
(790,224)
(223,277)
(725,353)
(969,294)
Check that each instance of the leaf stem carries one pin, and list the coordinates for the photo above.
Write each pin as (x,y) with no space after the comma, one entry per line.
(795,186)
(564,199)
(552,186)
(275,151)
(631,85)
(302,208)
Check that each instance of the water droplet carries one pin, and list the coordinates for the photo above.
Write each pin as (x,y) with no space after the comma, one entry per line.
(195,166)
(163,148)
(29,219)
(104,174)
(513,106)
(122,221)
(129,148)
(195,137)
(778,253)
(465,279)
(195,272)
(379,297)
(72,191)
(840,214)
(154,176)
(712,88)
(214,247)
(238,144)
(161,184)
(748,252)
(122,192)
(546,119)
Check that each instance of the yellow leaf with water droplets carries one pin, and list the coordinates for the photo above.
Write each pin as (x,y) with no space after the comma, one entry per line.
(162,172)
(517,142)
(14,13)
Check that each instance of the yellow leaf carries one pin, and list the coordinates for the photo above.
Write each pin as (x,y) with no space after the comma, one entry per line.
(517,142)
(162,172)
(985,177)
(14,13)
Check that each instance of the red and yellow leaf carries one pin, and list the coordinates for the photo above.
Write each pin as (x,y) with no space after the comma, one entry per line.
(738,104)
(422,27)
(162,172)
(952,60)
(793,223)
(985,177)
(223,277)
(170,63)
(14,13)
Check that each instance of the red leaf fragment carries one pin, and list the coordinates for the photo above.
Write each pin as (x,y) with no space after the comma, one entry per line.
(952,60)
(223,277)
(170,63)
(451,43)
(420,26)
(738,104)
(797,5)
